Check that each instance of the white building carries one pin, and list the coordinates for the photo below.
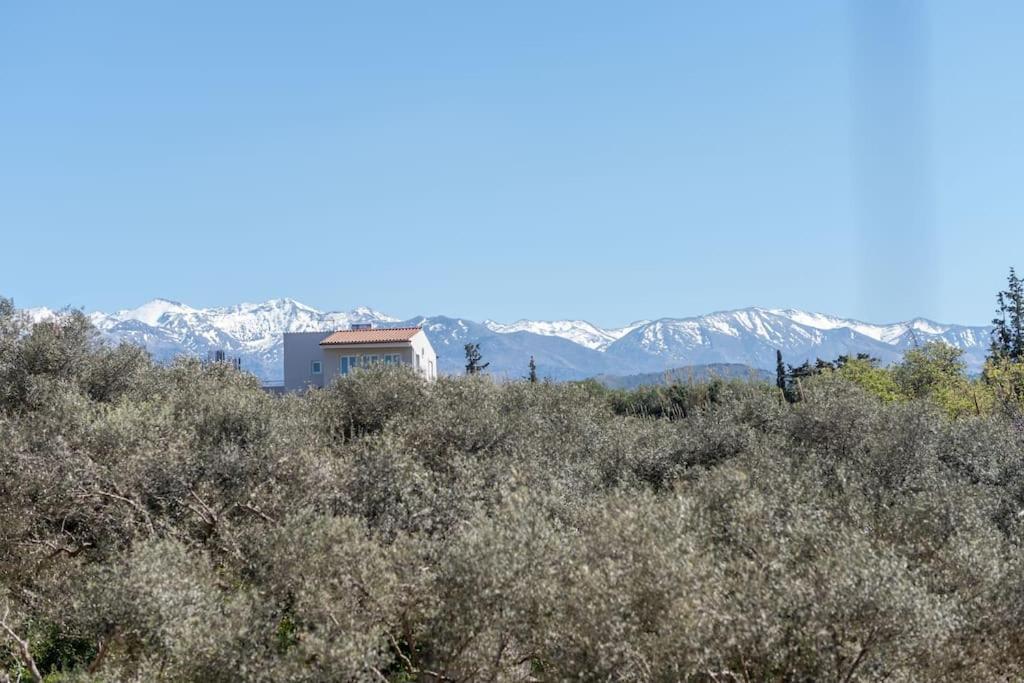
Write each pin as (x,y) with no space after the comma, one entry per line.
(315,359)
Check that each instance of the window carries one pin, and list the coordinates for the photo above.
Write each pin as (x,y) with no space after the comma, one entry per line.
(348,364)
(430,369)
(315,368)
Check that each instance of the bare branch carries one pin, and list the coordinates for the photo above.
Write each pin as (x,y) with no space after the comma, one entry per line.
(101,653)
(135,505)
(56,548)
(413,670)
(210,514)
(256,511)
(22,647)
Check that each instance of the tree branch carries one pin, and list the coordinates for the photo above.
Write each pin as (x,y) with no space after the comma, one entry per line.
(23,651)
(133,503)
(58,549)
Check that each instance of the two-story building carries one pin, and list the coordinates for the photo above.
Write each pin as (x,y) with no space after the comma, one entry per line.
(315,359)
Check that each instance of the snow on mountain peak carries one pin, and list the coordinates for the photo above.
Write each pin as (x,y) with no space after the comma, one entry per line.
(365,312)
(888,333)
(928,326)
(578,331)
(152,311)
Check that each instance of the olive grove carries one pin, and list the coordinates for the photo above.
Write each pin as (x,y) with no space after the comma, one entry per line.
(178,523)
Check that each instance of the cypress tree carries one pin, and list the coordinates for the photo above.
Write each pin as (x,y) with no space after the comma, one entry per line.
(1000,347)
(780,371)
(1015,301)
(533,371)
(1008,325)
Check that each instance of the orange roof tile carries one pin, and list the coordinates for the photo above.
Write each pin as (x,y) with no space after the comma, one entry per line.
(380,335)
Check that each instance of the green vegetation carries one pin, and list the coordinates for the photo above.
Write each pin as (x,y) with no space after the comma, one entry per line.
(178,523)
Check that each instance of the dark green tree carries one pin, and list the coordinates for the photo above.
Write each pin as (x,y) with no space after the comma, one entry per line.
(1008,325)
(533,371)
(794,388)
(803,370)
(473,358)
(780,371)
(842,360)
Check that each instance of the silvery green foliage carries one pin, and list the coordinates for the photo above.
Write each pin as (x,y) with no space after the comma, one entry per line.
(178,523)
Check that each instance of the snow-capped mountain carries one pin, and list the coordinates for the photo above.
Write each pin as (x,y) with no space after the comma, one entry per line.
(752,335)
(251,331)
(578,331)
(564,349)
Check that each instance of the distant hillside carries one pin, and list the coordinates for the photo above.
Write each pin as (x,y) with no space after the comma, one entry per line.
(690,373)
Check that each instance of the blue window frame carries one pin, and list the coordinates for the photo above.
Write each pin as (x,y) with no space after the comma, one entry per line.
(348,364)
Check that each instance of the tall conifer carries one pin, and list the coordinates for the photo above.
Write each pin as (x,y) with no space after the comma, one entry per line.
(1008,325)
(780,371)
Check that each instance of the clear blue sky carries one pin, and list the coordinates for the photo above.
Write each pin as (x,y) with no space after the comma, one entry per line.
(607,161)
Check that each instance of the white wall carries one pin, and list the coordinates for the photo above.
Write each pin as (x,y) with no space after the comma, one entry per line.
(428,358)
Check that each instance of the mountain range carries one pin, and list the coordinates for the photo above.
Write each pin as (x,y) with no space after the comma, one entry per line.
(564,349)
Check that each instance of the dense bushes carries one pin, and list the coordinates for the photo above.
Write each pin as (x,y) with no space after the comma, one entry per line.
(179,524)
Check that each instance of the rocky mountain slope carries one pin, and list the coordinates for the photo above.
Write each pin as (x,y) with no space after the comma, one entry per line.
(566,349)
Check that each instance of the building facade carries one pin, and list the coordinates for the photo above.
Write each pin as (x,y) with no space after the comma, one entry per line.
(315,359)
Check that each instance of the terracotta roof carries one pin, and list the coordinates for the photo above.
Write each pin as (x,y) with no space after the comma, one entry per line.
(379,335)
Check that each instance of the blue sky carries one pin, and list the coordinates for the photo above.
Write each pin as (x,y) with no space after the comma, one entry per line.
(606,161)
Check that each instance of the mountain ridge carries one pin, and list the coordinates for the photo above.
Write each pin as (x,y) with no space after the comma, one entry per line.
(563,349)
